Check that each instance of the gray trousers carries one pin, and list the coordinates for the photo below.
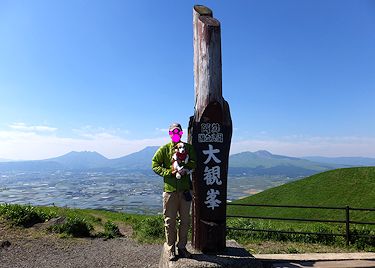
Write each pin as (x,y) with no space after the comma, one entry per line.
(174,204)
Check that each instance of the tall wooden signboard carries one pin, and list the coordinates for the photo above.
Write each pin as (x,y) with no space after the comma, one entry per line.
(210,132)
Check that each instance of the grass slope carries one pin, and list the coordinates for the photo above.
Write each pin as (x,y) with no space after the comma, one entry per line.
(348,186)
(147,229)
(86,222)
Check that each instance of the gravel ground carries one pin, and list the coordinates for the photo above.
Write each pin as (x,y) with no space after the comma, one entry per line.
(31,248)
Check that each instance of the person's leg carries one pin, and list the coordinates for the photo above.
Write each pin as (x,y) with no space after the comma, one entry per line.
(184,213)
(170,206)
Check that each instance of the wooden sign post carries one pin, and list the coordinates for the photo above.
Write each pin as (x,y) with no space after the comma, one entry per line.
(210,132)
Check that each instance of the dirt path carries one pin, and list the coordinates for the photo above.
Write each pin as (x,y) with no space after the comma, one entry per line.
(33,248)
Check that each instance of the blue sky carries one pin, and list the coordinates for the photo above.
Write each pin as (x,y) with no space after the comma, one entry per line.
(110,76)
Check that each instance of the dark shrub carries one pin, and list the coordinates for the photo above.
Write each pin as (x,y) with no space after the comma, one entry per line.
(24,215)
(76,227)
(111,230)
(149,228)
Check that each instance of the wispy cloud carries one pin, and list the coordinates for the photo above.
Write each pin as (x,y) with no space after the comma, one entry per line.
(31,128)
(19,144)
(28,142)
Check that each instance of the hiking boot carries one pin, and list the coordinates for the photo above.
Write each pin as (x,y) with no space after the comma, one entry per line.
(184,253)
(172,256)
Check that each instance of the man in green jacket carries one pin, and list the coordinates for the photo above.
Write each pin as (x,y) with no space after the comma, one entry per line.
(176,194)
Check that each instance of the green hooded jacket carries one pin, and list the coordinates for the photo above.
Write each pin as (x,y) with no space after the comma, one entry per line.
(162,165)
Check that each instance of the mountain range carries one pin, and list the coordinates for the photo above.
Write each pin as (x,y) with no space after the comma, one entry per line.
(265,163)
(350,161)
(85,161)
(245,163)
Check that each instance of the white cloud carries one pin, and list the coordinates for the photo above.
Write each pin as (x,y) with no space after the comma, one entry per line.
(23,145)
(29,128)
(164,130)
(25,142)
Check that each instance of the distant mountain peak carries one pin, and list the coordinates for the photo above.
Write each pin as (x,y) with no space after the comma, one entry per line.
(137,160)
(81,160)
(263,153)
(80,154)
(83,152)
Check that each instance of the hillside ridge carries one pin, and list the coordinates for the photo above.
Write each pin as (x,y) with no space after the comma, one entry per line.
(338,188)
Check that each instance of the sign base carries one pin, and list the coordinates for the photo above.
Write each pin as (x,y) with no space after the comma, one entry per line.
(234,256)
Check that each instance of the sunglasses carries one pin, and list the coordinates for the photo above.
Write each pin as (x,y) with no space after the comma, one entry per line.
(176,131)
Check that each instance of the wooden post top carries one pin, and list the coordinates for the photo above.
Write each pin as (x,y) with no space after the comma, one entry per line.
(207,61)
(203,10)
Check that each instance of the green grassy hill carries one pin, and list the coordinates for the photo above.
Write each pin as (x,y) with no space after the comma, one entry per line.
(354,187)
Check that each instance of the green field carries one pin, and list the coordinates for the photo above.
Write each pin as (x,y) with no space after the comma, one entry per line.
(353,187)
